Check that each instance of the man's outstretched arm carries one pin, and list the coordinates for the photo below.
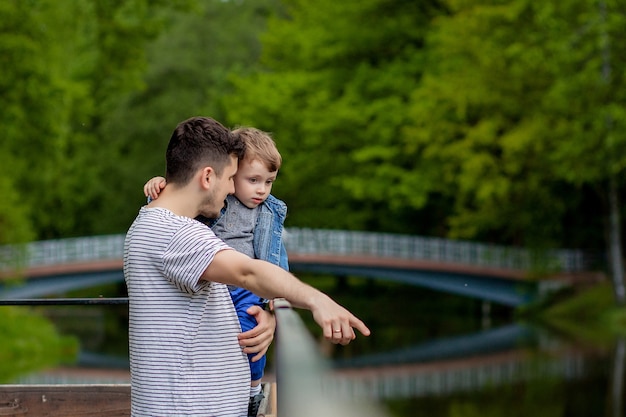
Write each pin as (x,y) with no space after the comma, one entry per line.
(269,281)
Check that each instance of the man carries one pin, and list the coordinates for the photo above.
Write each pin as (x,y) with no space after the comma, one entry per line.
(184,335)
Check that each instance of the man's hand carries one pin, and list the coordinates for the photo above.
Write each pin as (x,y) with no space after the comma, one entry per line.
(337,323)
(259,339)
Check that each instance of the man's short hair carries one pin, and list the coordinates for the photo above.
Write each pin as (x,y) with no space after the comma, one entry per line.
(198,142)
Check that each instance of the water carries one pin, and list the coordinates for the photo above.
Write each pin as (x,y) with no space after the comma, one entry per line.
(430,354)
(436,355)
(558,380)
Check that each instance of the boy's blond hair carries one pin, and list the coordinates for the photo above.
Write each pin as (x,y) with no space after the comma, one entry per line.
(259,146)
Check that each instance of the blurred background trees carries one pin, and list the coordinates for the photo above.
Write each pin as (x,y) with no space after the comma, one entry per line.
(499,121)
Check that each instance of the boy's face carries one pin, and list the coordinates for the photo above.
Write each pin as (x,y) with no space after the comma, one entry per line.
(253,182)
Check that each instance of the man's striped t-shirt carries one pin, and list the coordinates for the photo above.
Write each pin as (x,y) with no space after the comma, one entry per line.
(185,358)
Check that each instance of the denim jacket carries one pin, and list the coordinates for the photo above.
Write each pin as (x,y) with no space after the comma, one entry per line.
(268,245)
(267,241)
(268,234)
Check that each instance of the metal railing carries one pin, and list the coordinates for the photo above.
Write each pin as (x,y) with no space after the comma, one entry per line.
(321,242)
(387,245)
(304,379)
(62,301)
(60,251)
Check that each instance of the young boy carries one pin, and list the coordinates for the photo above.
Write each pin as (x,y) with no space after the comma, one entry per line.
(252,223)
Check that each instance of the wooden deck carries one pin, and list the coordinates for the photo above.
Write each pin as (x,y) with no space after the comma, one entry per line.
(86,400)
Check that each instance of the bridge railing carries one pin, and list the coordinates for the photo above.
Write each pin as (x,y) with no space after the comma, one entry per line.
(62,251)
(319,241)
(387,245)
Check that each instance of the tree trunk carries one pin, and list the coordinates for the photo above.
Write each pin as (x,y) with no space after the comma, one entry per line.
(616,261)
(615,244)
(617,378)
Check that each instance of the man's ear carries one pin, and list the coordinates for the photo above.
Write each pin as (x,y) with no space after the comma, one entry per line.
(207,177)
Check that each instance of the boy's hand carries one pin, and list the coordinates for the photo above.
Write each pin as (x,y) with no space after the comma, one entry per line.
(153,187)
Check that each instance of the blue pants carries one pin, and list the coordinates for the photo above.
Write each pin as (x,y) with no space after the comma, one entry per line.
(243,300)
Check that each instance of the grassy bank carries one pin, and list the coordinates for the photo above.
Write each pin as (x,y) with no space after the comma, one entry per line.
(588,314)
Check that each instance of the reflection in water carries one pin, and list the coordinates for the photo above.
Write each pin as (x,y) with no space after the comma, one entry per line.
(561,384)
(439,358)
(484,342)
(29,343)
(505,356)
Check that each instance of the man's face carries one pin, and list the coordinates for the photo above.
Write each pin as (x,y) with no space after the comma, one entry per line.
(220,187)
(253,182)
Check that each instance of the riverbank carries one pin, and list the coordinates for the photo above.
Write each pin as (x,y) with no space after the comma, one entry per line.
(586,314)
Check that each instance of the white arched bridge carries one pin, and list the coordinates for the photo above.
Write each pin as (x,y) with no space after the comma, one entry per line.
(504,275)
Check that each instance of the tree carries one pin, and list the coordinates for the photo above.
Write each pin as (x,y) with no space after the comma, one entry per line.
(336,80)
(188,70)
(515,107)
(66,65)
(111,41)
(477,126)
(34,134)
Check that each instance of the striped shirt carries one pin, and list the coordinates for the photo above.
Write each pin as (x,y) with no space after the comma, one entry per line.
(185,359)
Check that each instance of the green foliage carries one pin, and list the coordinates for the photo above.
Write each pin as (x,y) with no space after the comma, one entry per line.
(588,315)
(116,34)
(493,126)
(65,65)
(32,120)
(189,66)
(30,343)
(336,81)
(487,120)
